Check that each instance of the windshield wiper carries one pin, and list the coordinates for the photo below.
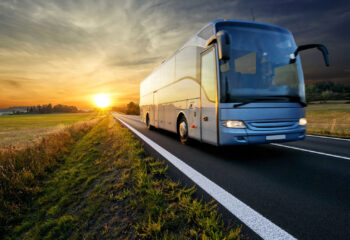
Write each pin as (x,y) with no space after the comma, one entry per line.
(292,99)
(262,99)
(269,98)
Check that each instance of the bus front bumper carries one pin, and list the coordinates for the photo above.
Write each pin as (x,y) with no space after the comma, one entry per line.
(230,136)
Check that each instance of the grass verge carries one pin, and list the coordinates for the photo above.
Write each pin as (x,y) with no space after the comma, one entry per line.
(21,170)
(108,188)
(329,119)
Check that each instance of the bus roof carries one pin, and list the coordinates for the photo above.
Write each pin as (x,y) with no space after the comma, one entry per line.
(195,40)
(248,24)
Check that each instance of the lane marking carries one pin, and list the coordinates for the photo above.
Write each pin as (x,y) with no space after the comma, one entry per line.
(254,220)
(340,139)
(131,117)
(311,151)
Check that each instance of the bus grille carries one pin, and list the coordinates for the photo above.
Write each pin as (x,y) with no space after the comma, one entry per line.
(271,125)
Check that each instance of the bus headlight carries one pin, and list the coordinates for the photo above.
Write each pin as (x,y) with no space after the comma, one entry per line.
(302,121)
(234,124)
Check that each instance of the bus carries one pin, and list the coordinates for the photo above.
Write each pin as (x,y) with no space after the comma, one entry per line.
(232,83)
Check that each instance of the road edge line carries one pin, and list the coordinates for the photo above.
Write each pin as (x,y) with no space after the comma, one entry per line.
(311,151)
(335,138)
(254,220)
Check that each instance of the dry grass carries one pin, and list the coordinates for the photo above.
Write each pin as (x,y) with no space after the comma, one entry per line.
(329,119)
(21,131)
(22,168)
(108,188)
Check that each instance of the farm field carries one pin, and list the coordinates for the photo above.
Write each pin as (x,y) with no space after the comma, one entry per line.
(329,119)
(18,130)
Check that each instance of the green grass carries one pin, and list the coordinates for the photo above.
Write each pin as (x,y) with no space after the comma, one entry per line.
(21,122)
(108,188)
(329,119)
(21,170)
(21,129)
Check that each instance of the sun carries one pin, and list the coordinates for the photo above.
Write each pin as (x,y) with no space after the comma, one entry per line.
(102,100)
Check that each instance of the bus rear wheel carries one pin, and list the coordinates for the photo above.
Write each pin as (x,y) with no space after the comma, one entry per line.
(148,123)
(183,130)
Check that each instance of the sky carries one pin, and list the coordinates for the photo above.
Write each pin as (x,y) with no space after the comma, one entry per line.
(60,51)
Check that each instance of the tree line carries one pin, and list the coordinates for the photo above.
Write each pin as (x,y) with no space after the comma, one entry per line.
(59,108)
(131,109)
(323,91)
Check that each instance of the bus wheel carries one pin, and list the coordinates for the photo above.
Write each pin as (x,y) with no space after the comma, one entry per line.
(183,130)
(148,123)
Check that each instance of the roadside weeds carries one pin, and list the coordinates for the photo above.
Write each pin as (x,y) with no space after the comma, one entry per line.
(21,170)
(107,187)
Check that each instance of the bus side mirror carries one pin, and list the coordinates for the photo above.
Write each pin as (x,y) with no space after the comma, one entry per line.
(224,41)
(320,47)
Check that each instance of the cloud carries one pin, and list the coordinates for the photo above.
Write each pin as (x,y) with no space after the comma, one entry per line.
(10,84)
(65,49)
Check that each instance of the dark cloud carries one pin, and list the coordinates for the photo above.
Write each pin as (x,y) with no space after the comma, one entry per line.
(10,84)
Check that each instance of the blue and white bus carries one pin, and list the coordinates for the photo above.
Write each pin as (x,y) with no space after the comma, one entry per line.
(234,82)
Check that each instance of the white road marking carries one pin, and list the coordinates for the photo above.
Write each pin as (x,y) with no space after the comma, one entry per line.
(311,151)
(254,220)
(340,139)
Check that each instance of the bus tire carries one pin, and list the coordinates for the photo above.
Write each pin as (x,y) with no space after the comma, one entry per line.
(183,130)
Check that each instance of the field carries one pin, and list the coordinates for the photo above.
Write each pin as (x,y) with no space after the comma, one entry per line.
(329,119)
(93,180)
(20,130)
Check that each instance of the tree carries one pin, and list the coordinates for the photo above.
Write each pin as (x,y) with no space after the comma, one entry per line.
(59,108)
(132,109)
(327,91)
(49,108)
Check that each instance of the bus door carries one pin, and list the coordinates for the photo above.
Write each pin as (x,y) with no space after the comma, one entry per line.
(208,96)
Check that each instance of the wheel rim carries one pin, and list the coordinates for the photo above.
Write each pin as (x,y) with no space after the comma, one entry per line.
(183,129)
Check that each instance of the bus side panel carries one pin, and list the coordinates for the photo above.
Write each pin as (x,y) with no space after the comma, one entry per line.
(176,98)
(170,117)
(177,90)
(161,115)
(146,103)
(182,90)
(193,107)
(156,109)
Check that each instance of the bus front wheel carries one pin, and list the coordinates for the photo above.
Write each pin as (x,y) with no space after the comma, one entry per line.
(183,130)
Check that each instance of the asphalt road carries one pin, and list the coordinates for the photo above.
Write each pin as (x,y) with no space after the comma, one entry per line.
(305,193)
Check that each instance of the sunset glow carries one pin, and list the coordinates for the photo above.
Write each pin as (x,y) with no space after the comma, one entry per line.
(102,100)
(64,52)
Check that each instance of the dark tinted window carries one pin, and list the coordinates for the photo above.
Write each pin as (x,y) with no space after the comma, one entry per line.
(259,65)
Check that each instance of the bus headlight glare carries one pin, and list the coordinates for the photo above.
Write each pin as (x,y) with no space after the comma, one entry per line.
(302,121)
(234,124)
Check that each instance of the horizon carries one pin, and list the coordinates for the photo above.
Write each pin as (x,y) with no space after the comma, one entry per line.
(80,108)
(64,52)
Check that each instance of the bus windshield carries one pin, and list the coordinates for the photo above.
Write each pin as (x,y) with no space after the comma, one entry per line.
(259,66)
